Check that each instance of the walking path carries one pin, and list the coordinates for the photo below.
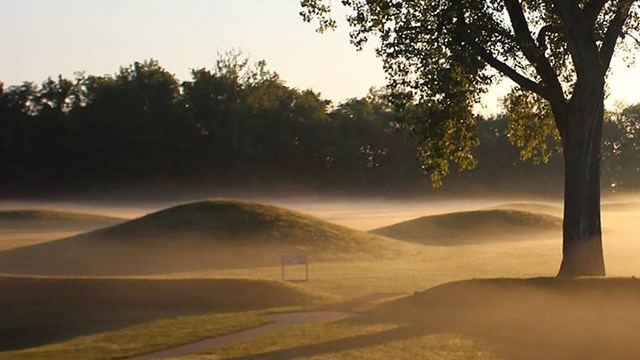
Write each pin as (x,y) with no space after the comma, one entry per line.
(280,321)
(327,313)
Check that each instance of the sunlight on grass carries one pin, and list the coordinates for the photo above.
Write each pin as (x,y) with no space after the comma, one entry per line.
(480,226)
(40,311)
(352,339)
(431,266)
(338,277)
(432,347)
(142,339)
(10,239)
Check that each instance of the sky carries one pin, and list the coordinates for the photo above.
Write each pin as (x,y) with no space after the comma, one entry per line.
(43,38)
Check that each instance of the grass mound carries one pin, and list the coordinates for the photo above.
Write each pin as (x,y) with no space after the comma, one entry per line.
(213,234)
(621,206)
(35,311)
(51,220)
(234,221)
(471,227)
(541,318)
(534,207)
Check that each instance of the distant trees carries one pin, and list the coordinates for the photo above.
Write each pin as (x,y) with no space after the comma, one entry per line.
(238,124)
(621,148)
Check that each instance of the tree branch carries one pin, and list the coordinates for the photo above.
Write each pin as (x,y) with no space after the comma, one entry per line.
(530,49)
(592,9)
(502,67)
(541,39)
(580,38)
(511,73)
(614,31)
(633,37)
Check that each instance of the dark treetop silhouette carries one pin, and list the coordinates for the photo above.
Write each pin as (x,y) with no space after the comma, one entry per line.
(441,55)
(238,126)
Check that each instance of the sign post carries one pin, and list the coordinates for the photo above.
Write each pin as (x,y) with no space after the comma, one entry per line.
(294,260)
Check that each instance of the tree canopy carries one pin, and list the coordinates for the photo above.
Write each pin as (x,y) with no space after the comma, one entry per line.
(440,56)
(239,124)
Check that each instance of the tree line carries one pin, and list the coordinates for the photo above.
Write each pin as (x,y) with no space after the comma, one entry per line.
(238,126)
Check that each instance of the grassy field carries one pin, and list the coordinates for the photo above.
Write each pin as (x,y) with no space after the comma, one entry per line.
(20,228)
(353,339)
(480,226)
(11,239)
(427,266)
(51,220)
(141,339)
(540,318)
(214,234)
(534,207)
(100,318)
(42,310)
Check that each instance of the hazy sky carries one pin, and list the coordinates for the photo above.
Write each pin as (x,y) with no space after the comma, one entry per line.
(44,38)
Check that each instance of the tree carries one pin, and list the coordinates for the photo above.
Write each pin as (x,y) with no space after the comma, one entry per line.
(621,147)
(130,120)
(440,56)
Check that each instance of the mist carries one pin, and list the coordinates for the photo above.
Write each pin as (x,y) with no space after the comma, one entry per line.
(619,216)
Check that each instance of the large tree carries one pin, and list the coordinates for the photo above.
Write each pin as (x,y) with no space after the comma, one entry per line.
(441,55)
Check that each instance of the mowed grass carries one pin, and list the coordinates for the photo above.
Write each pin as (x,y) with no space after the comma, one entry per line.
(427,266)
(35,311)
(349,275)
(534,207)
(621,206)
(353,339)
(234,222)
(539,318)
(11,238)
(20,228)
(143,338)
(52,220)
(469,227)
(338,281)
(213,234)
(334,281)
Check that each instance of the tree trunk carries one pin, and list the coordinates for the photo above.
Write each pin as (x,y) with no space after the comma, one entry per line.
(582,235)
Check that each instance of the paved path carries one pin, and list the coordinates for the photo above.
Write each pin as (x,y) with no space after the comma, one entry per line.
(280,321)
(327,313)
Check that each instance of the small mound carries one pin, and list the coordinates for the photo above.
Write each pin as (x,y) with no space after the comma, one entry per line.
(52,220)
(471,227)
(621,206)
(233,221)
(35,311)
(211,234)
(534,207)
(543,318)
